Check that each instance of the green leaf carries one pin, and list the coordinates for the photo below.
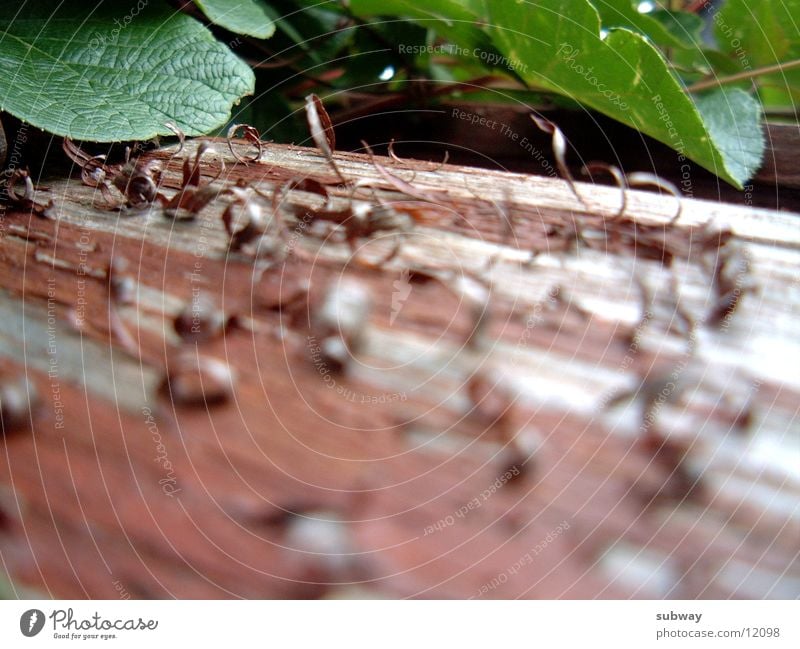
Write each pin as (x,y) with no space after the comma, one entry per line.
(729,115)
(112,72)
(247,17)
(760,33)
(623,76)
(664,30)
(679,32)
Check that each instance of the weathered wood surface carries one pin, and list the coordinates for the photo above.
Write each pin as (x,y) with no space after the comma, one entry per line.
(388,472)
(782,159)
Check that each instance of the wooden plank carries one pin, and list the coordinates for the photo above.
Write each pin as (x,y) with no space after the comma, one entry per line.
(397,480)
(781,159)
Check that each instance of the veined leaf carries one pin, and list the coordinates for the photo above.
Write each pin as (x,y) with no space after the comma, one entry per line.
(729,115)
(623,76)
(115,71)
(247,17)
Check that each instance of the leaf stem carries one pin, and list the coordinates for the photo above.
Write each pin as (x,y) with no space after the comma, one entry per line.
(742,76)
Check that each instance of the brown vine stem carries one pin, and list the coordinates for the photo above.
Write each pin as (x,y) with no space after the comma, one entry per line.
(741,76)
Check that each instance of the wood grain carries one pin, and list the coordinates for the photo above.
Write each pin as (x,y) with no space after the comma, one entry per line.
(386,480)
